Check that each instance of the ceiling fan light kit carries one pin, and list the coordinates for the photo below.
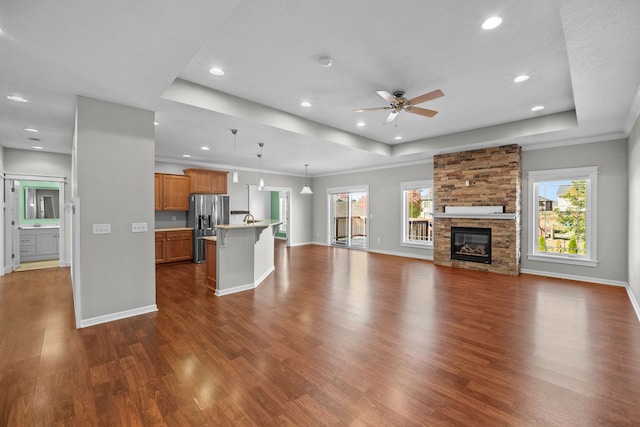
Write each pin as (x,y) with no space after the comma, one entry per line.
(398,102)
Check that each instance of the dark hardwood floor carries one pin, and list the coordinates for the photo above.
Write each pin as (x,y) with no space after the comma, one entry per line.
(332,337)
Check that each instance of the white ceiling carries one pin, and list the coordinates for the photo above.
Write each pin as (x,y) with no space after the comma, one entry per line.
(583,58)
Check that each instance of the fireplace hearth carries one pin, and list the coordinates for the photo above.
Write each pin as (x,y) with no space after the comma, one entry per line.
(471,244)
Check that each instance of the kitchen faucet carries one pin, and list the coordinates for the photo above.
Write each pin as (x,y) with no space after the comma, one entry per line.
(246,220)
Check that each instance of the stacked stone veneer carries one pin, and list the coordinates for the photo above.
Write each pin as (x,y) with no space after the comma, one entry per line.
(494,179)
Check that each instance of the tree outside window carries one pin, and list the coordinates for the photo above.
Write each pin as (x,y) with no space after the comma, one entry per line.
(417,209)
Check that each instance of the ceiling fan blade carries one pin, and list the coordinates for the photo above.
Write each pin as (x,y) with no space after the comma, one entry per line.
(421,111)
(387,96)
(391,117)
(426,97)
(360,110)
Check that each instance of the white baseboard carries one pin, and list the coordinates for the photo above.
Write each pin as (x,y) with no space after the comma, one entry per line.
(301,244)
(634,302)
(632,298)
(402,254)
(247,287)
(573,277)
(117,316)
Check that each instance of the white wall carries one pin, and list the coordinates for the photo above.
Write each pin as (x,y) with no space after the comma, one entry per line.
(114,154)
(633,155)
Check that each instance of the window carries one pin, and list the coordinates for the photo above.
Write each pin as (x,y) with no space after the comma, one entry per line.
(417,210)
(562,216)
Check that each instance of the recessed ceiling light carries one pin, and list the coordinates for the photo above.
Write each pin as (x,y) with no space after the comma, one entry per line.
(398,138)
(16,98)
(155,123)
(186,156)
(37,147)
(305,104)
(216,71)
(361,124)
(537,108)
(204,147)
(522,78)
(491,23)
(32,130)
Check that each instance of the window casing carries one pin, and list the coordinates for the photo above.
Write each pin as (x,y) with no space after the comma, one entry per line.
(417,213)
(562,216)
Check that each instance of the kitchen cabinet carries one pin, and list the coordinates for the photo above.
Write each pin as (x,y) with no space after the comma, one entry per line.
(171,192)
(211,262)
(173,245)
(39,244)
(205,181)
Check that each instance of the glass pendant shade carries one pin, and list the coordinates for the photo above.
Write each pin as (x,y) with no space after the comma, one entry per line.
(234,175)
(306,189)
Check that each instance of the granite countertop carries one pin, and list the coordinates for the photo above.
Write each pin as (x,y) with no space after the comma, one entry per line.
(175,229)
(257,223)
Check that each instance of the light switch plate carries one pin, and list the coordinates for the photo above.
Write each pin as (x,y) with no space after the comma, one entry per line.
(101,228)
(138,227)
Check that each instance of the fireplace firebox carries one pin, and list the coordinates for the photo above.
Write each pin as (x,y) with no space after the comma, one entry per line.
(471,244)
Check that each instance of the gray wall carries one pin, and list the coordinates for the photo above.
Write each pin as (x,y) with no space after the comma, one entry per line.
(634,212)
(301,217)
(114,154)
(385,206)
(612,210)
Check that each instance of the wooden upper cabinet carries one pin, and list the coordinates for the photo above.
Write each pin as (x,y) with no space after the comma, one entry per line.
(205,181)
(157,186)
(171,192)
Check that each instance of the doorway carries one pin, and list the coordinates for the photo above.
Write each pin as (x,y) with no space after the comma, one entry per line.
(348,217)
(34,223)
(273,203)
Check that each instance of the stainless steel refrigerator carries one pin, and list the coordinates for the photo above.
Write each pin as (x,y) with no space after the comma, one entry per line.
(206,211)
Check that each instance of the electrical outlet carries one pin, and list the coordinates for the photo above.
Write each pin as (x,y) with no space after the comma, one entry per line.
(138,227)
(101,228)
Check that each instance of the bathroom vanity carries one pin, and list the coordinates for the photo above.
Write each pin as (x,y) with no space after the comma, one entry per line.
(39,243)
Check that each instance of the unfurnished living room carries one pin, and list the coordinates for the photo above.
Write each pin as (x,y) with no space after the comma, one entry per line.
(320,213)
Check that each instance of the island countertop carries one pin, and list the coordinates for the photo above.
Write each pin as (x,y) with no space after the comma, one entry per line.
(257,223)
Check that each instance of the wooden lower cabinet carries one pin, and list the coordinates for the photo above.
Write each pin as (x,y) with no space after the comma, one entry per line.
(174,245)
(211,264)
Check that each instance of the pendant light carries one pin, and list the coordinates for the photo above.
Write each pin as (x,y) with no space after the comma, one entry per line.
(261,182)
(234,175)
(306,189)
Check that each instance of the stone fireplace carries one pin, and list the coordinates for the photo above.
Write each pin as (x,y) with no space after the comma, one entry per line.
(479,189)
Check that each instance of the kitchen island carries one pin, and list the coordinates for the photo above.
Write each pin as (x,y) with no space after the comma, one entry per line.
(240,256)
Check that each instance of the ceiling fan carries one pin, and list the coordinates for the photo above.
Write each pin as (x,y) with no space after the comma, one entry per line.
(397,103)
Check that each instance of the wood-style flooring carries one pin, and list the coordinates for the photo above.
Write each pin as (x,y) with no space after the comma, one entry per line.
(332,337)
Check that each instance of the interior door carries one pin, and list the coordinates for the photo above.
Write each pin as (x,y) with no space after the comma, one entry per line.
(12,189)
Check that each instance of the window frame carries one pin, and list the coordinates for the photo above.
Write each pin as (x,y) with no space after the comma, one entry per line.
(590,175)
(404,228)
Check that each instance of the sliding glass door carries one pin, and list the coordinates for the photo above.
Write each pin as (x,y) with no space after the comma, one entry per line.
(348,215)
